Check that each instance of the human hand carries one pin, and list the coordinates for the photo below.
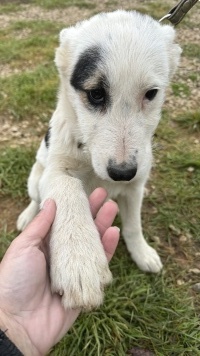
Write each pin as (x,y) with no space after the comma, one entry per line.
(34,317)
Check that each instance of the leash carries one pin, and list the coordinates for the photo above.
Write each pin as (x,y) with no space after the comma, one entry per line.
(177,13)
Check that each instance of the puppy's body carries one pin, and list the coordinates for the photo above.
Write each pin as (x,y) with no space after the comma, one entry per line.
(114,69)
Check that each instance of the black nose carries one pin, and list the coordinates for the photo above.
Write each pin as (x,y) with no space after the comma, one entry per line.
(123,171)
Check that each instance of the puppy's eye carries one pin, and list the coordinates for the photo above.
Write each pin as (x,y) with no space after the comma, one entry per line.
(150,94)
(97,96)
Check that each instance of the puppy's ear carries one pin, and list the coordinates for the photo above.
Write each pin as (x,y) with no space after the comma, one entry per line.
(66,34)
(62,56)
(174,49)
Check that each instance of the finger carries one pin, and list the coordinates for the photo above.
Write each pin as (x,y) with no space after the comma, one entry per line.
(106,216)
(96,200)
(110,241)
(37,230)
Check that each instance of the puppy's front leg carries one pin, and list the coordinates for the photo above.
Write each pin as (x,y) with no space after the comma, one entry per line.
(78,265)
(144,255)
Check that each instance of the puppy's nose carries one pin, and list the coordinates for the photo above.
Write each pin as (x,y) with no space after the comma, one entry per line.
(123,171)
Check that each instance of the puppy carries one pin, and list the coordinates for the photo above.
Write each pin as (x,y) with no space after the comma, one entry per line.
(114,69)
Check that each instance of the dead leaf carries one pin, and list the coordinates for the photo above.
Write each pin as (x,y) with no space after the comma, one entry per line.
(136,351)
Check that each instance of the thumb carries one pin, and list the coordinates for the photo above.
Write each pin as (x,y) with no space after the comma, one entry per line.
(38,229)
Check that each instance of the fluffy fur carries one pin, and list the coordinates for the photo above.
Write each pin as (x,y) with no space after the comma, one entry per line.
(114,69)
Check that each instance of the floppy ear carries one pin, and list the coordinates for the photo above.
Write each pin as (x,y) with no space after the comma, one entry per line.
(63,52)
(174,49)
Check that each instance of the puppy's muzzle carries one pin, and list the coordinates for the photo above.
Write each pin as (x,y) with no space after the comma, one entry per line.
(124,171)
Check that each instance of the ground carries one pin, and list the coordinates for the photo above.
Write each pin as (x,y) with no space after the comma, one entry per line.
(156,313)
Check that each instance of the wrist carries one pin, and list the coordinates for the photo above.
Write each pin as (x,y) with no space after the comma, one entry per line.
(17,334)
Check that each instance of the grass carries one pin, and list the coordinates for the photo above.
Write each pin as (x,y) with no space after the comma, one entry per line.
(13,161)
(191,50)
(190,121)
(37,92)
(156,9)
(51,4)
(38,80)
(9,8)
(193,76)
(5,238)
(39,39)
(156,312)
(180,89)
(139,310)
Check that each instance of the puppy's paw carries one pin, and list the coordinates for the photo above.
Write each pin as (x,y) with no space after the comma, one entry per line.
(78,265)
(81,283)
(150,260)
(27,215)
(146,258)
(79,269)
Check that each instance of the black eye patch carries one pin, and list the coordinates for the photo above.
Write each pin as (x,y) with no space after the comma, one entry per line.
(85,67)
(89,80)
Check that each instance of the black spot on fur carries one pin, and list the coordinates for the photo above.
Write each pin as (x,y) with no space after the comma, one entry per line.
(80,145)
(47,137)
(85,67)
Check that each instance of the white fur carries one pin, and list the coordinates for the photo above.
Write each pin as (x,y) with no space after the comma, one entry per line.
(139,54)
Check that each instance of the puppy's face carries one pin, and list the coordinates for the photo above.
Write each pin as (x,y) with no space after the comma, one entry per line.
(119,65)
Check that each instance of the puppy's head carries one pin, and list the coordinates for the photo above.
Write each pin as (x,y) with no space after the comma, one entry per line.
(115,68)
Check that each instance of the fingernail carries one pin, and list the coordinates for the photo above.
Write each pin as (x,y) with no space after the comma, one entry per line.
(113,201)
(44,204)
(117,228)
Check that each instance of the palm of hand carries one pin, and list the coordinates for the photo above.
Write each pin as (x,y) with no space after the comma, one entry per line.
(34,307)
(25,294)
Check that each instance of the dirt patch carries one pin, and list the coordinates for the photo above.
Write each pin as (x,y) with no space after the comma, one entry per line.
(10,210)
(67,16)
(187,35)
(190,101)
(21,133)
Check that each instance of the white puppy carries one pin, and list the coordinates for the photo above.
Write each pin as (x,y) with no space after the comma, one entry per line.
(114,69)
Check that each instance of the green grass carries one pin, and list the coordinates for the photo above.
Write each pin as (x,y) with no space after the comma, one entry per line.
(139,310)
(39,27)
(157,9)
(34,58)
(39,42)
(16,50)
(191,50)
(180,89)
(7,8)
(51,4)
(147,311)
(15,163)
(189,120)
(193,76)
(29,93)
(5,238)
(178,200)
